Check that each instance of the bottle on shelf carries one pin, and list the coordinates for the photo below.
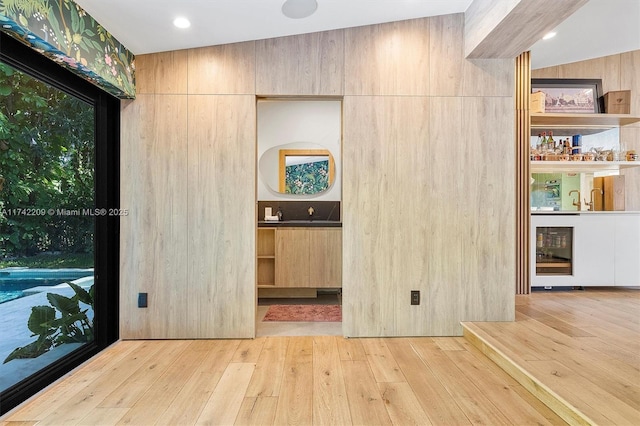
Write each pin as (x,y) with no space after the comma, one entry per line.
(551,143)
(539,142)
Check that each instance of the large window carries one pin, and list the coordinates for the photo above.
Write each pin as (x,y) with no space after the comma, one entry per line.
(58,221)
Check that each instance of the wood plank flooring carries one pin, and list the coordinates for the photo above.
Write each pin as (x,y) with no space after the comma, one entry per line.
(320,380)
(578,351)
(581,348)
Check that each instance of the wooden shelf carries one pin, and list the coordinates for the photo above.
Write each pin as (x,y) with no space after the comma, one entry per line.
(580,166)
(553,264)
(585,124)
(266,257)
(582,120)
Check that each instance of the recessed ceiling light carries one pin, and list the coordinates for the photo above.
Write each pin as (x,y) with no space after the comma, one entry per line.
(181,22)
(547,36)
(296,9)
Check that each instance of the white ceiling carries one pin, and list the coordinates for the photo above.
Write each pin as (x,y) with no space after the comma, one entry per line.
(600,28)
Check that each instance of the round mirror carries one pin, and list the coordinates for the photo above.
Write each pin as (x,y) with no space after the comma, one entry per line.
(300,168)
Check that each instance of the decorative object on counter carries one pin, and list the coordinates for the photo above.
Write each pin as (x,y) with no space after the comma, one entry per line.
(299,210)
(576,140)
(536,102)
(569,95)
(613,189)
(599,153)
(617,102)
(546,149)
(270,217)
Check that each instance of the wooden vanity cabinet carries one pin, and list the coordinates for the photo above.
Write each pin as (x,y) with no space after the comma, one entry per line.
(292,257)
(325,257)
(305,258)
(266,257)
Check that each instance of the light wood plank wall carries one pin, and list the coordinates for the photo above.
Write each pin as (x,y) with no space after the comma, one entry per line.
(188,141)
(618,72)
(428,196)
(428,168)
(495,28)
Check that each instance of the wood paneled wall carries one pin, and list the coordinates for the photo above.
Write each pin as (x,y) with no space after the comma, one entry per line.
(618,72)
(428,169)
(189,240)
(504,29)
(428,181)
(153,237)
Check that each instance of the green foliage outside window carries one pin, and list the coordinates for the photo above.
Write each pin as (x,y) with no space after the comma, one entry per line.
(46,162)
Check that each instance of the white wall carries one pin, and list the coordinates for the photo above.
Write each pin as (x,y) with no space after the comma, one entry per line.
(298,122)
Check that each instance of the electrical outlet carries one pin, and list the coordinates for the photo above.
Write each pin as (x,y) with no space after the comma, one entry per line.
(142,300)
(415,297)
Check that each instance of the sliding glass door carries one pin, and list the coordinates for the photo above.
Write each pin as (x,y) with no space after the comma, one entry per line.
(47,225)
(58,222)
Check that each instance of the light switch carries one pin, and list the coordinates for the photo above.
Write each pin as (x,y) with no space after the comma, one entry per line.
(142,300)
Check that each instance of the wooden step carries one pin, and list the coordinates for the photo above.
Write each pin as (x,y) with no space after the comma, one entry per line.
(491,348)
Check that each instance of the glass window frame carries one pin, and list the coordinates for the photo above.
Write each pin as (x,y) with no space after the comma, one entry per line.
(107,228)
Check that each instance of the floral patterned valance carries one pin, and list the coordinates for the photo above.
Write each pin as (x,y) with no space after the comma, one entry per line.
(63,31)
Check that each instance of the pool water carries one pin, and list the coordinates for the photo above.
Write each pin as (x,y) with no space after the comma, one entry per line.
(5,296)
(13,281)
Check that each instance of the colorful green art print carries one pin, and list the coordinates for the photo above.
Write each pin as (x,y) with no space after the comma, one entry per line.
(307,178)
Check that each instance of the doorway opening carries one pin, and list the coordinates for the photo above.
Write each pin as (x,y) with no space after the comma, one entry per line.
(299,228)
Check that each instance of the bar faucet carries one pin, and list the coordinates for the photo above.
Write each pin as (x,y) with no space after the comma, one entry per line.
(590,203)
(577,202)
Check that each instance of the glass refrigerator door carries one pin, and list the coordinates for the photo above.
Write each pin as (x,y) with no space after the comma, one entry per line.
(554,250)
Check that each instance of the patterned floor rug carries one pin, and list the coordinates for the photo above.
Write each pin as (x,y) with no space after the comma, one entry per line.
(304,313)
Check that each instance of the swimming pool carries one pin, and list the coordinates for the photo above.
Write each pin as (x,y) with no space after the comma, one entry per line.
(14,281)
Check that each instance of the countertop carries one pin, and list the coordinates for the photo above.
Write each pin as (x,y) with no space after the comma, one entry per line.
(581,212)
(301,224)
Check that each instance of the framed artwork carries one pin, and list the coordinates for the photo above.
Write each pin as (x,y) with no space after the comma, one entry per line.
(305,171)
(569,95)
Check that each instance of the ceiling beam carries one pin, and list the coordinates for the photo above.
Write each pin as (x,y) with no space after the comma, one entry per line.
(506,28)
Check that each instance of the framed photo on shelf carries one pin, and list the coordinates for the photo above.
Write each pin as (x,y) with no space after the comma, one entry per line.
(569,95)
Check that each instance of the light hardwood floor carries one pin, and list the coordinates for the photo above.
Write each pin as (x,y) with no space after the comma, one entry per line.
(578,351)
(287,380)
(585,346)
